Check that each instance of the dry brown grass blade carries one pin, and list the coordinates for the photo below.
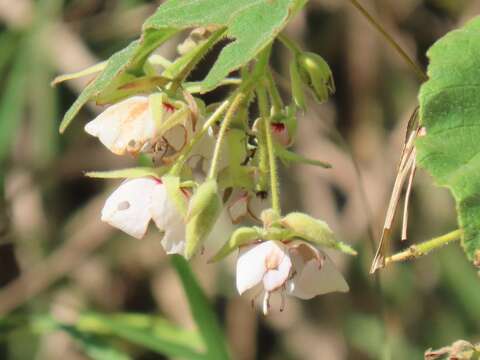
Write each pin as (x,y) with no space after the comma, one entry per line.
(406,167)
(407,198)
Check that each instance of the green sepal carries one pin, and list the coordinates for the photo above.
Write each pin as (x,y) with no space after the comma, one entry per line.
(130,173)
(315,73)
(172,184)
(287,157)
(79,74)
(126,86)
(315,231)
(204,209)
(239,237)
(296,86)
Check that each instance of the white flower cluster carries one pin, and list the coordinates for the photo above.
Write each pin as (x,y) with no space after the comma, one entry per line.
(267,266)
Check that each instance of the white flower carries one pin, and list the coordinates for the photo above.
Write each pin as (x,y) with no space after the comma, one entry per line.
(131,207)
(295,268)
(129,127)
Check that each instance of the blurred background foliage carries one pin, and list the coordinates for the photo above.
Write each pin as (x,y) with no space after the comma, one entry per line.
(63,272)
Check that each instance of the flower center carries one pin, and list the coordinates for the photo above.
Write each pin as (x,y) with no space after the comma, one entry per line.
(168,107)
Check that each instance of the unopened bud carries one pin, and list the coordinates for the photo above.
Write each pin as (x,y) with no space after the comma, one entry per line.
(316,74)
(315,231)
(202,214)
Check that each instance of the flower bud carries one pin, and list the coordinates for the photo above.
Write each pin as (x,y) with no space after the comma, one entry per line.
(314,231)
(284,128)
(316,74)
(202,214)
(241,236)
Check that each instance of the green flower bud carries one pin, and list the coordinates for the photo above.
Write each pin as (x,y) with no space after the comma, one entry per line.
(204,209)
(239,237)
(315,231)
(316,74)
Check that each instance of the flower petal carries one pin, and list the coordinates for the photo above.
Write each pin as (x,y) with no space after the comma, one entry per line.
(252,264)
(169,220)
(124,127)
(128,207)
(276,278)
(315,280)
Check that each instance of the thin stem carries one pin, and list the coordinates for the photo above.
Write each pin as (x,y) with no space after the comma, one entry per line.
(272,162)
(294,48)
(237,101)
(275,97)
(210,121)
(416,251)
(420,73)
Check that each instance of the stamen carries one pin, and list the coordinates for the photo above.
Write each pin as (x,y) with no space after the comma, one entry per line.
(266,303)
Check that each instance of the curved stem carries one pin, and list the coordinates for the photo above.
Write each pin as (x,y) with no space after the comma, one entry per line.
(413,65)
(416,251)
(237,101)
(176,169)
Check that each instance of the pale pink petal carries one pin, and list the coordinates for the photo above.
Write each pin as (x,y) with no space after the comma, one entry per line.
(315,280)
(169,220)
(124,127)
(128,207)
(176,137)
(275,278)
(252,264)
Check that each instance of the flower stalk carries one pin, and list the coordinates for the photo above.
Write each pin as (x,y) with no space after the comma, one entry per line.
(419,250)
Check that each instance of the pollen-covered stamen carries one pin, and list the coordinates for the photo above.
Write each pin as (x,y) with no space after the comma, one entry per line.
(282,299)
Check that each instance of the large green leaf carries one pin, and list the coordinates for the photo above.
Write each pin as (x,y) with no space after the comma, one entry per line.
(251,23)
(130,59)
(450,112)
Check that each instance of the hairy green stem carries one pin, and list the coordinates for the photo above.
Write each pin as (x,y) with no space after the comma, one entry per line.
(275,97)
(413,65)
(236,103)
(272,161)
(416,251)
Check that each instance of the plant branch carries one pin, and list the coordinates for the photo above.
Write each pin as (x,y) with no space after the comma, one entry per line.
(413,65)
(416,251)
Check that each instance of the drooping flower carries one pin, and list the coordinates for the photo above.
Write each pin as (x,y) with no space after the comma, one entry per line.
(294,268)
(135,202)
(129,127)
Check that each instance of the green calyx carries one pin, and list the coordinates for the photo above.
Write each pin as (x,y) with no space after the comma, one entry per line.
(316,74)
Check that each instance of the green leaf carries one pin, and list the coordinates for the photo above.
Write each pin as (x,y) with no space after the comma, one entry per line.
(93,346)
(130,59)
(202,312)
(13,99)
(153,336)
(449,110)
(267,18)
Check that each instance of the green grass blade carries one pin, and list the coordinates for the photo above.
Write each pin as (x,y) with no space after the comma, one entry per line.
(202,312)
